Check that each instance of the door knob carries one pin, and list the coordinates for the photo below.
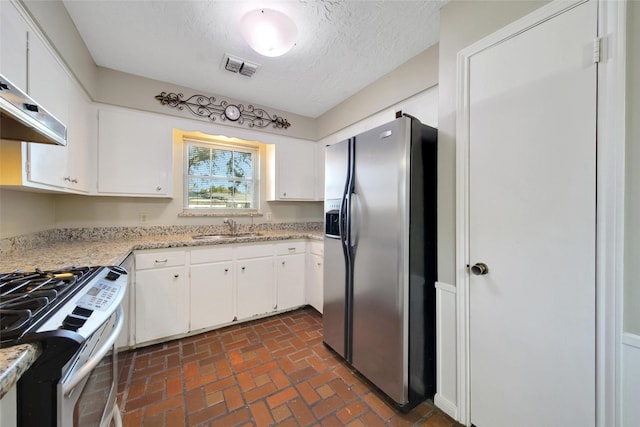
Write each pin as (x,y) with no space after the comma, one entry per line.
(479,269)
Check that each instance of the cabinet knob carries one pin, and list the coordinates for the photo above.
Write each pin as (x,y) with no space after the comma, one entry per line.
(158,188)
(176,276)
(74,180)
(282,262)
(243,268)
(226,270)
(284,194)
(67,178)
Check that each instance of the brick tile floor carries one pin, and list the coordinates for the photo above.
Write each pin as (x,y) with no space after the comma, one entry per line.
(274,371)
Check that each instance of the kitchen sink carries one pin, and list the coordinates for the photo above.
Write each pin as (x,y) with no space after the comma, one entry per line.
(224,236)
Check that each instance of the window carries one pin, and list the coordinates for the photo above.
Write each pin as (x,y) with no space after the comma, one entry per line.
(220,176)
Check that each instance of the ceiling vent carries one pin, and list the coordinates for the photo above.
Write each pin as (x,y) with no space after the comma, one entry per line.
(239,65)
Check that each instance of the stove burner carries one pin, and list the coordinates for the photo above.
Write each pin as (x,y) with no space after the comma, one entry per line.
(26,299)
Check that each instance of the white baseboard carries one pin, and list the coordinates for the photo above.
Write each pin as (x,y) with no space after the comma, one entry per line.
(630,379)
(631,339)
(447,406)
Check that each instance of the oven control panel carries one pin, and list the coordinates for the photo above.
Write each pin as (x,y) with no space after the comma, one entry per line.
(99,297)
(93,305)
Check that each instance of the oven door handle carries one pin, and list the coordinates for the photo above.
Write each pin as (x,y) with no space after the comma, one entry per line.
(67,386)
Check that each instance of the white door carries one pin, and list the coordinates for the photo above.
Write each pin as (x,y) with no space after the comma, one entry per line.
(532,206)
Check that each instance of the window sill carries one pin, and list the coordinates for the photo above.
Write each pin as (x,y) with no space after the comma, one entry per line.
(226,214)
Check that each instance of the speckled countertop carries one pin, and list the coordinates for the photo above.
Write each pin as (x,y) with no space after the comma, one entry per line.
(110,246)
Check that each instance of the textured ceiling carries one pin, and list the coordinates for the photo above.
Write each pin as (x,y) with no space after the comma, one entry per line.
(343,45)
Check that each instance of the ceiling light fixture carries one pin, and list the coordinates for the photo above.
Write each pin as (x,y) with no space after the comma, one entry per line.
(269,32)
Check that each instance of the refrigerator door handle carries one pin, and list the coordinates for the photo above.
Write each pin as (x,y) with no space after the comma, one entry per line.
(355,214)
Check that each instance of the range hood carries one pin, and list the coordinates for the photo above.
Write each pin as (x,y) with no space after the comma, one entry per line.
(22,119)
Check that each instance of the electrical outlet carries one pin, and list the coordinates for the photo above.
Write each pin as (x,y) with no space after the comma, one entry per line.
(143,217)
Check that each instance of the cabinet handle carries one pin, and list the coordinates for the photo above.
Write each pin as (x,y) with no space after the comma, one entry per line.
(158,188)
(226,270)
(161,261)
(67,178)
(319,264)
(243,268)
(74,180)
(176,276)
(284,194)
(282,262)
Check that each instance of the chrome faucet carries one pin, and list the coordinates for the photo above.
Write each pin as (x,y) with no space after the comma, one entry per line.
(232,225)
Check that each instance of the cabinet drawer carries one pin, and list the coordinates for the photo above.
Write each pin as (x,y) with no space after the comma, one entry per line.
(317,248)
(254,251)
(159,259)
(200,256)
(291,247)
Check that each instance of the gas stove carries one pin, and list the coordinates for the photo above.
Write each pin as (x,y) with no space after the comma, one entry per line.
(31,303)
(75,315)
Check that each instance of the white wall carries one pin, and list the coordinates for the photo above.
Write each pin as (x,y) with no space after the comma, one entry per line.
(23,212)
(632,224)
(630,386)
(423,106)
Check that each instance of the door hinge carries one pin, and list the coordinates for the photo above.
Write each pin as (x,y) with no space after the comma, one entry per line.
(596,50)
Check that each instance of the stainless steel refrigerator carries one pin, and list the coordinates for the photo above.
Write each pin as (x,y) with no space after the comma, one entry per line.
(380,257)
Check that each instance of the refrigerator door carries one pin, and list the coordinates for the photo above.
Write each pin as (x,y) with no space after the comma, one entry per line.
(380,228)
(335,262)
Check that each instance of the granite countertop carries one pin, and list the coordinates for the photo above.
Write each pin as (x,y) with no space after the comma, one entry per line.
(14,361)
(59,254)
(111,249)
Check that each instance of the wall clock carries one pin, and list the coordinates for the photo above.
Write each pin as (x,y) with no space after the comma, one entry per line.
(232,112)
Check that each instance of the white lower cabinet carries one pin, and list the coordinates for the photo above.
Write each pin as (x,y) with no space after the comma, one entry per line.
(178,292)
(162,289)
(254,280)
(290,274)
(314,282)
(212,291)
(315,294)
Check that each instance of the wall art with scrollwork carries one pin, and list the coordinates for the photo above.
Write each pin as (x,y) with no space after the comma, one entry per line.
(209,107)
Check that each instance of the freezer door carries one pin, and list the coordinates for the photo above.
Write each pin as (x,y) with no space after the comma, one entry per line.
(380,233)
(335,263)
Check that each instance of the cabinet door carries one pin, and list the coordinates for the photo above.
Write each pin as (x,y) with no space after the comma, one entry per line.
(49,86)
(211,295)
(13,45)
(254,287)
(161,303)
(294,170)
(48,81)
(81,141)
(314,282)
(290,279)
(134,153)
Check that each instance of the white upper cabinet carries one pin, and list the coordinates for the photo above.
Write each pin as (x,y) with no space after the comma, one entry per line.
(320,155)
(291,166)
(135,156)
(48,81)
(66,167)
(38,71)
(13,45)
